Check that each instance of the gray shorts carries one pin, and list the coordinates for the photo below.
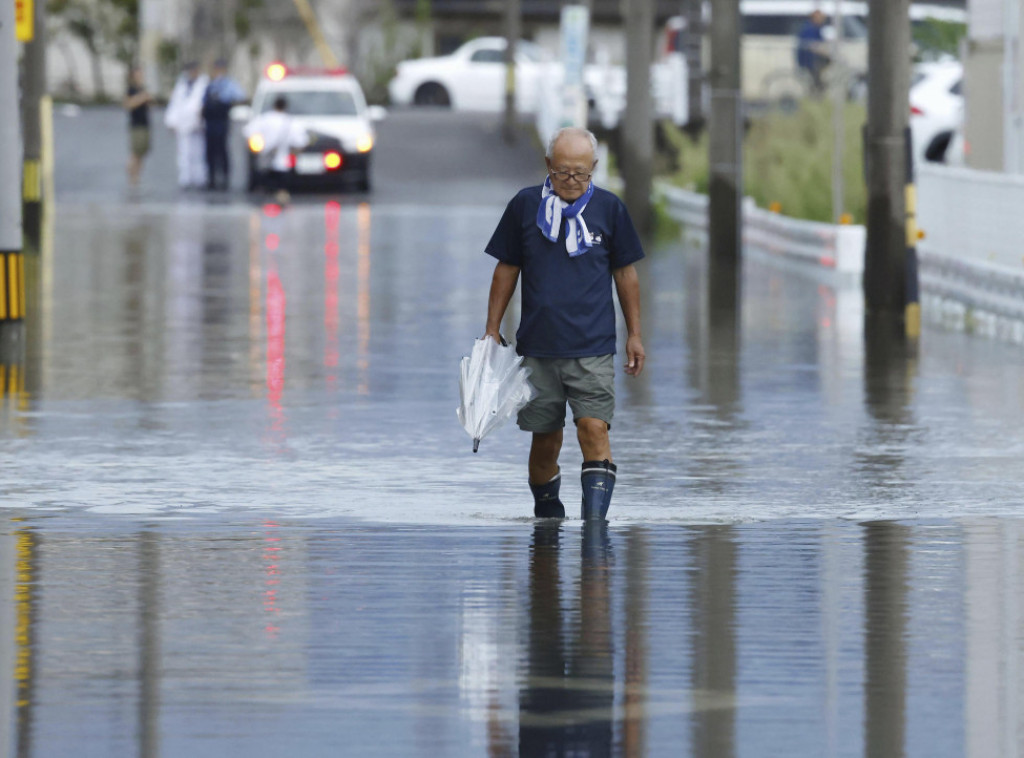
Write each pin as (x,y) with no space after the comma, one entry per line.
(588,384)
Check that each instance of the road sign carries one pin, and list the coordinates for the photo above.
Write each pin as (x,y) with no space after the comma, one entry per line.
(575,24)
(23,26)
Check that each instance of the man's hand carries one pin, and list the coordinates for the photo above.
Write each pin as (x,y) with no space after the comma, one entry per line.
(634,356)
(495,335)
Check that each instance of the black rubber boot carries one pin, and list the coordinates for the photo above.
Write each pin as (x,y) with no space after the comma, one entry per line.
(598,478)
(545,499)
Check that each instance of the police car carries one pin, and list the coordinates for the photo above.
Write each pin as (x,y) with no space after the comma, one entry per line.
(329,104)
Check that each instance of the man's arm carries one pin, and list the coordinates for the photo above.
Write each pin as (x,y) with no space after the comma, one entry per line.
(131,102)
(627,284)
(503,285)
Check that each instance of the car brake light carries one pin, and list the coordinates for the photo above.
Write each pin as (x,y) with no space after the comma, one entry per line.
(276,72)
(291,161)
(256,143)
(332,160)
(915,111)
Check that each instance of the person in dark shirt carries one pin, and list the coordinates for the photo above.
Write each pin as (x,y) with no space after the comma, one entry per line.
(136,102)
(569,241)
(221,94)
(810,49)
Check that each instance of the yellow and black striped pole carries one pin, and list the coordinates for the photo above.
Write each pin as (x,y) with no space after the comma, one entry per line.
(12,285)
(912,307)
(33,92)
(11,262)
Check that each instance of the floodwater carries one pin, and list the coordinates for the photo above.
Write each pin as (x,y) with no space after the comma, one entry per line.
(239,516)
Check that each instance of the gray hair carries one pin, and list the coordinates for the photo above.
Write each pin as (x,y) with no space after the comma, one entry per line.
(566,131)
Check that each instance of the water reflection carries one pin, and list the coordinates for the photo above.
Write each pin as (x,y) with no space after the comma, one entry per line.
(565,705)
(713,372)
(25,636)
(885,639)
(149,644)
(890,371)
(14,397)
(713,604)
(276,309)
(711,641)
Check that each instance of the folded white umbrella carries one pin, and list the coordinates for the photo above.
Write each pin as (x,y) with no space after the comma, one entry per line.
(493,387)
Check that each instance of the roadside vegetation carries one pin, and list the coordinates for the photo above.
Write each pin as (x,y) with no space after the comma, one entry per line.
(787,160)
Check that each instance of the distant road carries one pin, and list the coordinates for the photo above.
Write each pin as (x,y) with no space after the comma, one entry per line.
(422,156)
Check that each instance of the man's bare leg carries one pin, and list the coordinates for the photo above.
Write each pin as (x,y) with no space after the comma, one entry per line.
(545,479)
(598,474)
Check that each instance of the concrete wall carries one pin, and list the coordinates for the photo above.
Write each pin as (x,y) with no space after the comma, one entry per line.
(994,85)
(983,119)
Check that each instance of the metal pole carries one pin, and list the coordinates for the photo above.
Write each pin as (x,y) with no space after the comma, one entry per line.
(885,275)
(11,263)
(637,154)
(725,213)
(33,91)
(839,85)
(513,30)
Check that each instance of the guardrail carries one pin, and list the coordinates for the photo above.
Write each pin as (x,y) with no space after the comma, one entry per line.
(970,259)
(834,247)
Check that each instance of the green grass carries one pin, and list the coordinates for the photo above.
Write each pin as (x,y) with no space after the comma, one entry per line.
(788,160)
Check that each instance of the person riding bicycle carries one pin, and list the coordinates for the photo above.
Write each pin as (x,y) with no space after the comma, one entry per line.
(811,55)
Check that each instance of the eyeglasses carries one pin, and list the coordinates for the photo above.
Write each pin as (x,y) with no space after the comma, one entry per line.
(564,176)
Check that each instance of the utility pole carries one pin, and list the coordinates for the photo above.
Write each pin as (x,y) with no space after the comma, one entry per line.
(725,212)
(693,35)
(513,30)
(11,262)
(150,12)
(32,94)
(637,153)
(838,114)
(885,153)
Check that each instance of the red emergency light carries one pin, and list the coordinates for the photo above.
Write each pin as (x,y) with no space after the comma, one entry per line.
(277,71)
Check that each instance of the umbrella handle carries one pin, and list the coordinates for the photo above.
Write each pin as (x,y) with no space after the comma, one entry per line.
(476,444)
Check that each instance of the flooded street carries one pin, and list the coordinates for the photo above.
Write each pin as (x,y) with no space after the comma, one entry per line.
(240,516)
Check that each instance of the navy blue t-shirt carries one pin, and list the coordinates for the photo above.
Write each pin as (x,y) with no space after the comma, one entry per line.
(567,305)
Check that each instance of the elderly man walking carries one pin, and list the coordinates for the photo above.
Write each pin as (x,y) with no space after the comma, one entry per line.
(569,241)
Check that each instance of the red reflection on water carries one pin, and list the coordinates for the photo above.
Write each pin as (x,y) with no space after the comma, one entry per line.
(332,277)
(332,214)
(276,310)
(363,297)
(272,572)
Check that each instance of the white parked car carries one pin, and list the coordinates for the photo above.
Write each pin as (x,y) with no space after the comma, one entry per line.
(472,78)
(329,105)
(936,108)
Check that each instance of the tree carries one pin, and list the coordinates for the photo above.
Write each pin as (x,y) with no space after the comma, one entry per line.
(107,28)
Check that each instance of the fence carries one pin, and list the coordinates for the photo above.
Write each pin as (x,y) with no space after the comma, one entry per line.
(834,247)
(970,259)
